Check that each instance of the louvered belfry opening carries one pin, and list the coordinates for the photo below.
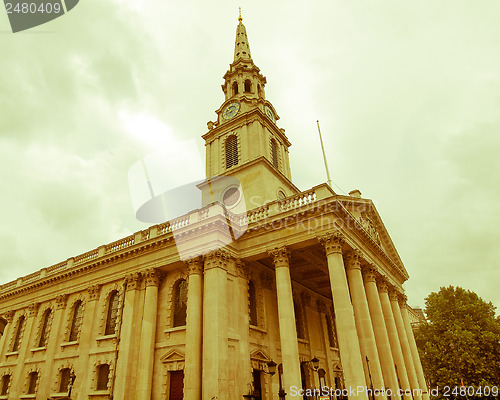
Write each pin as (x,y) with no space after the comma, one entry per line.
(231,151)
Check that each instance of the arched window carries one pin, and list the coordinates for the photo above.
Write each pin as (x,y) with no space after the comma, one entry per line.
(44,332)
(64,380)
(32,382)
(258,90)
(180,303)
(331,331)
(231,151)
(76,321)
(5,385)
(19,332)
(274,153)
(112,314)
(102,377)
(235,88)
(299,321)
(248,86)
(252,303)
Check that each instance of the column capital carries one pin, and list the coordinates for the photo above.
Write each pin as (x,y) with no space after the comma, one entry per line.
(354,259)
(393,294)
(370,273)
(133,280)
(9,316)
(194,266)
(152,277)
(216,259)
(61,301)
(403,299)
(241,269)
(305,297)
(280,256)
(383,285)
(332,241)
(93,291)
(33,309)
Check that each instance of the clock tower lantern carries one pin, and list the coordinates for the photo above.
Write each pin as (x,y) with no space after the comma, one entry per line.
(245,141)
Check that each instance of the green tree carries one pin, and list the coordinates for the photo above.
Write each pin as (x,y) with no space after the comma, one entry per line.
(460,342)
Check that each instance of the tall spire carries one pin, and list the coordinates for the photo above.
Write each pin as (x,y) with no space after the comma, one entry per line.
(241,46)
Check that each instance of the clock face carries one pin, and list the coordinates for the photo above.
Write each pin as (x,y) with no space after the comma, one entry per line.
(270,114)
(231,110)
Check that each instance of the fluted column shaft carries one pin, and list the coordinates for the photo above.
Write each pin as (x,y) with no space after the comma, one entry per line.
(194,330)
(124,363)
(405,346)
(350,352)
(397,353)
(371,361)
(381,336)
(148,335)
(215,346)
(413,348)
(288,332)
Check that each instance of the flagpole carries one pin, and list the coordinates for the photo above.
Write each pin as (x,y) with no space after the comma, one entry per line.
(329,181)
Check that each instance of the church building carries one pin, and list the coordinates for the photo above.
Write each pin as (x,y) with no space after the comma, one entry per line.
(264,292)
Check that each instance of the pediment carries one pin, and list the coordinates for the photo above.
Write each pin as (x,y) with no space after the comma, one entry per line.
(172,356)
(260,356)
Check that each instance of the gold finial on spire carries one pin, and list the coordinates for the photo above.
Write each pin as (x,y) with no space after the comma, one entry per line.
(240,18)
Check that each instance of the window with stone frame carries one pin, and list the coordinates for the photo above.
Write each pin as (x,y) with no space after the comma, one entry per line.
(231,151)
(76,321)
(32,382)
(64,379)
(274,153)
(299,321)
(5,385)
(248,86)
(18,333)
(235,88)
(102,377)
(45,328)
(252,304)
(112,313)
(179,303)
(332,339)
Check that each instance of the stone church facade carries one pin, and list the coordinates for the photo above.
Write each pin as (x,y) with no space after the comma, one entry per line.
(303,290)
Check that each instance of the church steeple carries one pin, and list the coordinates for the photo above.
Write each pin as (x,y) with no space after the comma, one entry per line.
(245,141)
(241,45)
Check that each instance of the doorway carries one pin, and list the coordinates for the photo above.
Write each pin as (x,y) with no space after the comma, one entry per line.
(176,385)
(257,384)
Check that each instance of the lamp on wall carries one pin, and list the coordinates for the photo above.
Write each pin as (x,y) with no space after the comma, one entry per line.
(271,368)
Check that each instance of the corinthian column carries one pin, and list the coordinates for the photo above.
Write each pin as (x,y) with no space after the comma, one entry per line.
(215,346)
(194,329)
(413,348)
(373,372)
(381,336)
(148,333)
(286,314)
(405,346)
(397,353)
(350,352)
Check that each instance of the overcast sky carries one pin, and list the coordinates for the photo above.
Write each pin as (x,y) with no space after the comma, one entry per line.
(407,94)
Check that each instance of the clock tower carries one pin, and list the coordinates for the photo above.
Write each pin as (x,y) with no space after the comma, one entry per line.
(245,141)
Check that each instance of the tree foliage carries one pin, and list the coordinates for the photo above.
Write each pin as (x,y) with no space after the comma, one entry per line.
(460,343)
